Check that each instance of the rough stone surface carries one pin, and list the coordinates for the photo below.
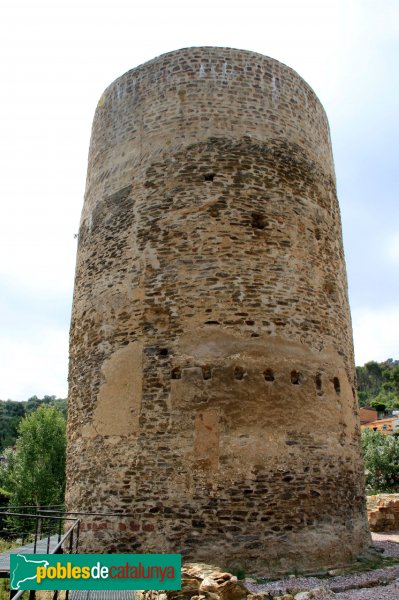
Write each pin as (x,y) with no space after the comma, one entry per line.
(212,384)
(202,582)
(383,512)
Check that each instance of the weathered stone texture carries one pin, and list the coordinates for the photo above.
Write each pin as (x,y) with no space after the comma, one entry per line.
(383,512)
(212,389)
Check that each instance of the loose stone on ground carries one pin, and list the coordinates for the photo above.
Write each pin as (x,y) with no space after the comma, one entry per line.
(207,582)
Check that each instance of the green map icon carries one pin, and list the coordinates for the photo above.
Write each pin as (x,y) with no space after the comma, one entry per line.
(24,570)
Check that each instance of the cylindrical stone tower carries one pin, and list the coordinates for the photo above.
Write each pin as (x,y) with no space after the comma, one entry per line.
(212,384)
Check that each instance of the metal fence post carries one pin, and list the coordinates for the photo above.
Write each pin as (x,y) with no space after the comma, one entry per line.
(36,533)
(48,535)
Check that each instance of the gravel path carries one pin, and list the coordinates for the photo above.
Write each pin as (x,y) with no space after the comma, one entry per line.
(389,592)
(378,584)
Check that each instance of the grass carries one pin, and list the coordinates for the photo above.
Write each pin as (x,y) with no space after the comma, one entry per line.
(5,583)
(370,565)
(7,545)
(5,592)
(238,572)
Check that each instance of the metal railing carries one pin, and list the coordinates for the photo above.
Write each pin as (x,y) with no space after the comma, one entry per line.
(48,521)
(47,525)
(13,526)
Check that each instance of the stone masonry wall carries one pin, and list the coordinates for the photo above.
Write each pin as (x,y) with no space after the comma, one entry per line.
(383,512)
(212,383)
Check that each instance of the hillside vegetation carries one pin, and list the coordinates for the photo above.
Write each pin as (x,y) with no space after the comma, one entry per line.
(378,384)
(12,413)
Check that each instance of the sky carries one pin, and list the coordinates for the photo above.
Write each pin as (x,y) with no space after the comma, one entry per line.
(58,56)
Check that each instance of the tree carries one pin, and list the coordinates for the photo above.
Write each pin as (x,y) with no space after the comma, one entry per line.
(35,473)
(391,379)
(381,461)
(379,382)
(12,412)
(389,399)
(379,406)
(369,378)
(6,469)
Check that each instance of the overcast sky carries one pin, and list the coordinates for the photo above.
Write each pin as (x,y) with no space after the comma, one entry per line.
(58,56)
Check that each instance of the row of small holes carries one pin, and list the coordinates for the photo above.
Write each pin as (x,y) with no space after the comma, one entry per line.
(239,374)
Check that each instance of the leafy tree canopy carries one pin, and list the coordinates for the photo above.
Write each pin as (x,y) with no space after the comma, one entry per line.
(34,473)
(12,412)
(381,461)
(378,383)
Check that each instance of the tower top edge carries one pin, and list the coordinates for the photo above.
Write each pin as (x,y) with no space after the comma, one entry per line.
(208,54)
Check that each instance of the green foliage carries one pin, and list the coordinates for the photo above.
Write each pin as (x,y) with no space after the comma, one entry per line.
(379,406)
(381,461)
(362,396)
(369,378)
(239,572)
(389,399)
(6,470)
(4,497)
(379,383)
(12,412)
(34,474)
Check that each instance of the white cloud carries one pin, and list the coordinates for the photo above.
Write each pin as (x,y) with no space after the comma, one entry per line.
(375,333)
(35,366)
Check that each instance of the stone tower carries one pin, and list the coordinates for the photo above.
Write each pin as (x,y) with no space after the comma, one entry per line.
(212,383)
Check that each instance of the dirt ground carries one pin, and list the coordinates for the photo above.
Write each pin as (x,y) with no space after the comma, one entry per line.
(376,584)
